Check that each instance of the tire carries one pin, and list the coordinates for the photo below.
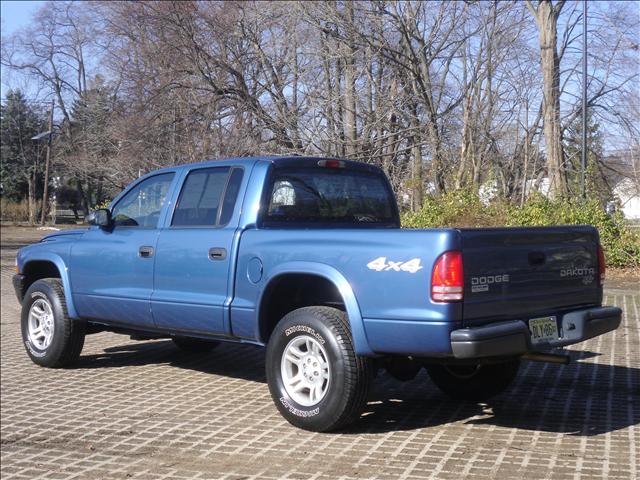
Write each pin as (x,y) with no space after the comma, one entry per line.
(316,380)
(189,344)
(474,382)
(51,338)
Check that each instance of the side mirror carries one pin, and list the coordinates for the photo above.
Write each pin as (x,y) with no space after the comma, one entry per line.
(101,218)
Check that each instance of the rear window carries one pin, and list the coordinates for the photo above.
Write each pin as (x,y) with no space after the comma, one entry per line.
(329,196)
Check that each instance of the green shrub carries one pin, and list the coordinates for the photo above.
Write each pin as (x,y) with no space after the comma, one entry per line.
(621,244)
(458,208)
(463,208)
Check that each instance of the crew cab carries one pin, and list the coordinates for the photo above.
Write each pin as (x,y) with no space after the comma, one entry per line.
(306,257)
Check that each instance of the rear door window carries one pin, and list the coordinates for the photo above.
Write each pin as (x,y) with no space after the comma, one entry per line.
(199,200)
(231,195)
(208,197)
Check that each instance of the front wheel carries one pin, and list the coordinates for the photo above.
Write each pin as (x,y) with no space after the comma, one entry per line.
(51,338)
(317,381)
(474,382)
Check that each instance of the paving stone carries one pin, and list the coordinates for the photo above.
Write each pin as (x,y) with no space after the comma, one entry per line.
(145,410)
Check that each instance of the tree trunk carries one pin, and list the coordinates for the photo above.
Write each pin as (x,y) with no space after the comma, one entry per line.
(527,140)
(417,186)
(380,123)
(337,95)
(84,201)
(464,141)
(417,180)
(391,146)
(31,198)
(546,16)
(465,145)
(350,128)
(328,105)
(437,167)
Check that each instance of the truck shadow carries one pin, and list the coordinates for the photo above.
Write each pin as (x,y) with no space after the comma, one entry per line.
(232,360)
(582,398)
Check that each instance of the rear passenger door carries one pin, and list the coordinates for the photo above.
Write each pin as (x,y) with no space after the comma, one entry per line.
(193,254)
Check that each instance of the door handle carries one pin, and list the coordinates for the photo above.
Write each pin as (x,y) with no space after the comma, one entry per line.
(217,253)
(145,252)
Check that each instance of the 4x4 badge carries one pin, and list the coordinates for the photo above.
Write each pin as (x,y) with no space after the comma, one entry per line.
(380,264)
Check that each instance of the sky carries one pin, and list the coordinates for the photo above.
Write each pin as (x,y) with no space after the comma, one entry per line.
(13,16)
(16,14)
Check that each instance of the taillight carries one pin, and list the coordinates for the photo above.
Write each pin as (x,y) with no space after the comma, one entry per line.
(601,265)
(447,278)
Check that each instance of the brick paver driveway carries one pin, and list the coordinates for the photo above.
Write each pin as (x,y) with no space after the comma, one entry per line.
(146,410)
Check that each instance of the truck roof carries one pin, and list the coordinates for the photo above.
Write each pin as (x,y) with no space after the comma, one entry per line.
(283,160)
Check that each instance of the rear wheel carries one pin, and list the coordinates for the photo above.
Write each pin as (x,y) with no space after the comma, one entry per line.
(194,344)
(474,382)
(317,381)
(51,338)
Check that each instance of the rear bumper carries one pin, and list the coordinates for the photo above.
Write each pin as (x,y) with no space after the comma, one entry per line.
(513,337)
(18,286)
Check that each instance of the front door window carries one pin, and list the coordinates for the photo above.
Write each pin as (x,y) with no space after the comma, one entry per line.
(142,205)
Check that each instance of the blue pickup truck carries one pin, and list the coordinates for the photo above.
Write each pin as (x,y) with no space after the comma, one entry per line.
(306,257)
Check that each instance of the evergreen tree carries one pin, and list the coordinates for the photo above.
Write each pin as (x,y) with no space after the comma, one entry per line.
(21,157)
(595,179)
(93,147)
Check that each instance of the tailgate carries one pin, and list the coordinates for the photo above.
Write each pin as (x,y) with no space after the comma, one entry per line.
(514,273)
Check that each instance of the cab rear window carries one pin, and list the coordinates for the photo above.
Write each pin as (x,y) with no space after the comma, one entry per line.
(314,196)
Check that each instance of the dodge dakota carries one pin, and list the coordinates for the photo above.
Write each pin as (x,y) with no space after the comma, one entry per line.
(306,257)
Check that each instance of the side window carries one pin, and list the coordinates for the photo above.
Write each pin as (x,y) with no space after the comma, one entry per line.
(230,195)
(142,205)
(200,197)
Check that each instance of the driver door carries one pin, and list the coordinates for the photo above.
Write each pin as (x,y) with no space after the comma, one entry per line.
(111,271)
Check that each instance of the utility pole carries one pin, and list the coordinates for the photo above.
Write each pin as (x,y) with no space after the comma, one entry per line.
(583,159)
(45,193)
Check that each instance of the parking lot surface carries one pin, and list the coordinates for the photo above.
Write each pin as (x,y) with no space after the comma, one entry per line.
(145,410)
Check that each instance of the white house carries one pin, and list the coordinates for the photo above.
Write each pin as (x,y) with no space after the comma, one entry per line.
(627,192)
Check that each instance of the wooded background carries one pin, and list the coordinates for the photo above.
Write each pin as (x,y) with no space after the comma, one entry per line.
(443,95)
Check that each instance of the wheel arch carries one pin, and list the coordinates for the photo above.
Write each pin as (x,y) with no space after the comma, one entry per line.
(330,283)
(49,266)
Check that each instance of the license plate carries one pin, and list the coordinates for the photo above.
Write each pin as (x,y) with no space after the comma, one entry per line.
(543,329)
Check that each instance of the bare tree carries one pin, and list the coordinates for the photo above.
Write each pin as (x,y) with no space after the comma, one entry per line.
(546,16)
(440,94)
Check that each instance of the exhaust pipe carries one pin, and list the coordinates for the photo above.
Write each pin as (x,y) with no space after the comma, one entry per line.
(547,357)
